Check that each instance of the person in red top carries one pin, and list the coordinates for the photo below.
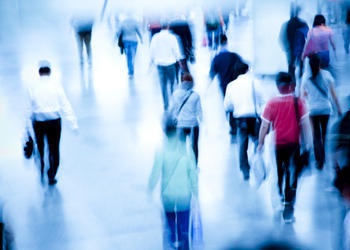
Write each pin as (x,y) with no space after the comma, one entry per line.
(280,113)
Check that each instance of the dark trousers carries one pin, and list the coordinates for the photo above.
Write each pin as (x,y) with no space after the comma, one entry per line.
(50,129)
(247,128)
(178,223)
(193,133)
(294,60)
(287,171)
(84,37)
(167,74)
(319,126)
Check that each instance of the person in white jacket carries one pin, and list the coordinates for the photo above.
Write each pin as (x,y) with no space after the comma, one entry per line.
(47,103)
(244,99)
(186,106)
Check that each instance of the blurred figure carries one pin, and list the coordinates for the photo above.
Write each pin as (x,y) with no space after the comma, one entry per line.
(318,91)
(176,167)
(288,117)
(181,28)
(318,40)
(342,183)
(224,65)
(47,102)
(341,154)
(346,29)
(129,33)
(165,54)
(83,29)
(293,36)
(243,99)
(188,102)
(214,27)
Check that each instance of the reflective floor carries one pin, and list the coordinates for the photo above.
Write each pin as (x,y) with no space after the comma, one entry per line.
(101,199)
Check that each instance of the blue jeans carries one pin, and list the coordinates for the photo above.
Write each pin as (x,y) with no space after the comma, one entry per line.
(167,74)
(130,48)
(178,223)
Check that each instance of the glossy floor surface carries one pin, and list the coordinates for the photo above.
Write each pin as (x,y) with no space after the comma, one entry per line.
(101,200)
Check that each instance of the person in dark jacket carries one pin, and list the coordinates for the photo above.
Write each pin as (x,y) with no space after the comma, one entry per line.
(224,65)
(295,32)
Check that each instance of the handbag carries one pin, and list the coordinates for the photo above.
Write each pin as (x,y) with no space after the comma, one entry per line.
(258,168)
(28,147)
(171,117)
(196,224)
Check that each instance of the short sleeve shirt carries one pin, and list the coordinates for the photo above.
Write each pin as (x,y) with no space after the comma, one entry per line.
(280,112)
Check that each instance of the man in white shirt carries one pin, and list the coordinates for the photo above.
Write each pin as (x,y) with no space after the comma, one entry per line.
(165,53)
(47,101)
(244,100)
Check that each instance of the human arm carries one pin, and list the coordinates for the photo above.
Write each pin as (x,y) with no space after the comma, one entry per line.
(67,109)
(264,129)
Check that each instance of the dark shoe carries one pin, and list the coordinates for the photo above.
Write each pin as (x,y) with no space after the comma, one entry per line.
(52,181)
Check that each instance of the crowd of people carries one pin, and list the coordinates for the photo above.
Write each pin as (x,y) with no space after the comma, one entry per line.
(306,100)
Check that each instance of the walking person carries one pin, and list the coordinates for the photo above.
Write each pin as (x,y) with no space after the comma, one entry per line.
(175,166)
(47,103)
(293,36)
(165,54)
(244,100)
(224,65)
(130,35)
(83,26)
(318,40)
(288,117)
(318,91)
(187,104)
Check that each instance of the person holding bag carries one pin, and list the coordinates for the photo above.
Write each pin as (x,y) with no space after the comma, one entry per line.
(280,112)
(318,91)
(175,166)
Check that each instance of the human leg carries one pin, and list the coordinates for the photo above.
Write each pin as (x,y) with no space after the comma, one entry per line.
(171,76)
(243,141)
(163,85)
(183,222)
(130,52)
(317,141)
(53,139)
(171,225)
(40,131)
(87,42)
(195,138)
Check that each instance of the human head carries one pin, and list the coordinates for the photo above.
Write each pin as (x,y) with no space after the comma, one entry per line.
(223,39)
(186,81)
(44,68)
(284,82)
(315,64)
(319,20)
(241,68)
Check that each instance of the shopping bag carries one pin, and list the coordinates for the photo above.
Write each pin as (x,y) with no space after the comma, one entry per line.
(196,224)
(258,169)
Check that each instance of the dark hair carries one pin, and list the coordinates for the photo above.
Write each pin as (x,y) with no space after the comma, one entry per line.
(284,81)
(315,63)
(223,39)
(241,68)
(186,77)
(44,70)
(319,20)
